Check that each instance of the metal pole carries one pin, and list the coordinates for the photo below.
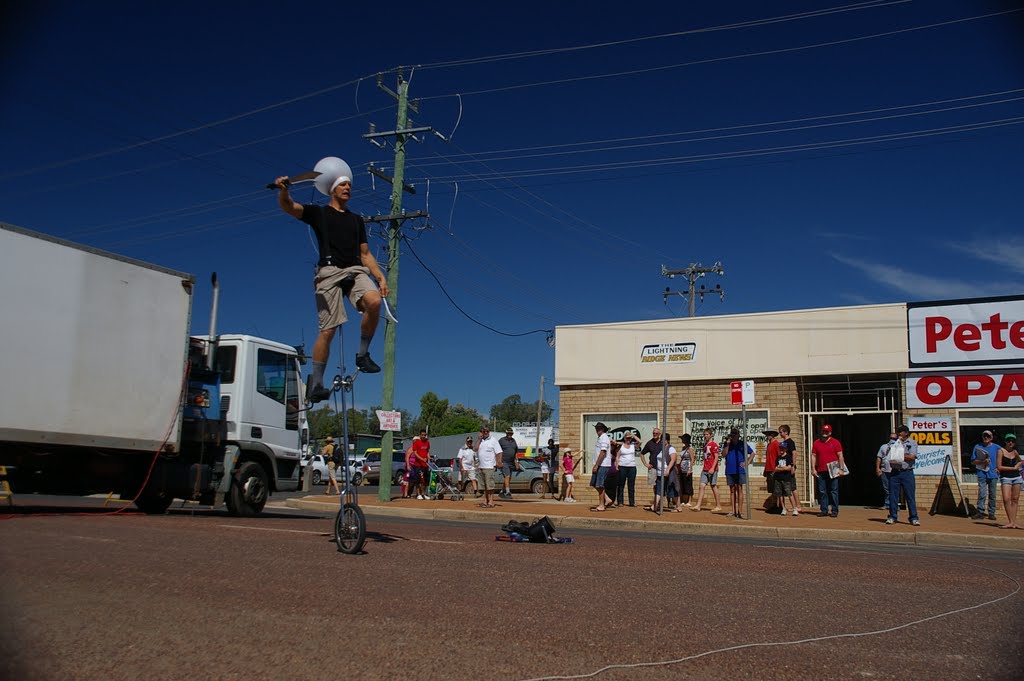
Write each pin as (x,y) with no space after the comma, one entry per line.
(743,451)
(348,495)
(664,449)
(540,403)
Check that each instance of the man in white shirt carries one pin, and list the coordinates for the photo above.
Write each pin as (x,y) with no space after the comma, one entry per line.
(466,465)
(602,465)
(488,451)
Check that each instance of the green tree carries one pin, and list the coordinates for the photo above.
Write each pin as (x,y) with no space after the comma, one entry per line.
(462,419)
(432,413)
(512,409)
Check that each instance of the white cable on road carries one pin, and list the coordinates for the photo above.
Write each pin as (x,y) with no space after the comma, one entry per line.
(815,639)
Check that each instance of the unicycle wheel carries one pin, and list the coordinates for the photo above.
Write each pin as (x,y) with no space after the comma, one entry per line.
(350,529)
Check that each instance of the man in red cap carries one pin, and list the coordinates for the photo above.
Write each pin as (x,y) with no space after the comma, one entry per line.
(827,450)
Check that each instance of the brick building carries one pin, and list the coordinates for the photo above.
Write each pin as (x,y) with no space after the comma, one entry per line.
(949,369)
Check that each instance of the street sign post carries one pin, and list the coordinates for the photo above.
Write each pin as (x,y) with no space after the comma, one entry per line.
(742,393)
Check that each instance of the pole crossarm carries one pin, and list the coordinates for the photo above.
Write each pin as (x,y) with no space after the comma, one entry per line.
(397,133)
(387,178)
(692,273)
(399,216)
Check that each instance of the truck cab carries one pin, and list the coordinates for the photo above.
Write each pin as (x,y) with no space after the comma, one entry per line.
(265,423)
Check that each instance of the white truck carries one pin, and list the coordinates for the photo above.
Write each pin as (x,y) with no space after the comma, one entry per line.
(104,389)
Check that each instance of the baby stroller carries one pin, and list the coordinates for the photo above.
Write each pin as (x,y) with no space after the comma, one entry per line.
(441,484)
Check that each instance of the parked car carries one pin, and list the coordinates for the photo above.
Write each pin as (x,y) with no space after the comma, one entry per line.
(529,479)
(371,466)
(320,473)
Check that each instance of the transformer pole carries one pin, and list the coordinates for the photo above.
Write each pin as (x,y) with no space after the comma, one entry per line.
(692,273)
(401,134)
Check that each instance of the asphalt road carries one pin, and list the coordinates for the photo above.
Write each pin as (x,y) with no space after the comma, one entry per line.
(203,594)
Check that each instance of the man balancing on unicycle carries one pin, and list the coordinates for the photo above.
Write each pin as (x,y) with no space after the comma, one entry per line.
(344,269)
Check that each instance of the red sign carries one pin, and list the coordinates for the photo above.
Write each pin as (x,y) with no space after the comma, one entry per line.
(965,390)
(736,389)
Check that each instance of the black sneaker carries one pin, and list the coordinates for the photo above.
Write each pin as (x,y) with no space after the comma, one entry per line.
(366,365)
(316,393)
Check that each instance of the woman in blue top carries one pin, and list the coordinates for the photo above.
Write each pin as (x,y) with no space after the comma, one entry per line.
(736,470)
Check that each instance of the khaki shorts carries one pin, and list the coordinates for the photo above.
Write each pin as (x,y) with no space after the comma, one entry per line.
(331,283)
(486,478)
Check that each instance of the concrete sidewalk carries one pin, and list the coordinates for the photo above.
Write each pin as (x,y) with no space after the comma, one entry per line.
(854,524)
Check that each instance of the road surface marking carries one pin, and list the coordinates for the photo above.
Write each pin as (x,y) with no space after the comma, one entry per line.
(271,529)
(437,541)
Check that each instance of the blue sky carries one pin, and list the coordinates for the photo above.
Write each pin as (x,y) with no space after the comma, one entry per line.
(827,153)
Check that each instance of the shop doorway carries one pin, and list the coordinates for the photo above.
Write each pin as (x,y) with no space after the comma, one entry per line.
(860,435)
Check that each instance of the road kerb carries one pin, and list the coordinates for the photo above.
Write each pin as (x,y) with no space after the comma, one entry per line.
(670,527)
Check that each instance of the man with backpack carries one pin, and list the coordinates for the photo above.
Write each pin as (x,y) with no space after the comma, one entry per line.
(327,451)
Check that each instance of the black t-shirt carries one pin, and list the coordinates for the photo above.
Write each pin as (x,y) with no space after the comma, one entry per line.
(339,235)
(652,449)
(787,457)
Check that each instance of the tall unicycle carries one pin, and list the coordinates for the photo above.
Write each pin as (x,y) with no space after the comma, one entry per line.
(350,523)
(350,528)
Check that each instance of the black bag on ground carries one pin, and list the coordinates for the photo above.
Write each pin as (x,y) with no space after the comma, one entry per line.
(541,531)
(538,532)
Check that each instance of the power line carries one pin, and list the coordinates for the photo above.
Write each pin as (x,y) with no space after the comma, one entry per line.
(180,133)
(713,60)
(642,163)
(570,150)
(870,4)
(457,307)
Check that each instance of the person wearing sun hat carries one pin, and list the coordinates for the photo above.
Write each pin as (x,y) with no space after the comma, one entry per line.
(465,463)
(1009,466)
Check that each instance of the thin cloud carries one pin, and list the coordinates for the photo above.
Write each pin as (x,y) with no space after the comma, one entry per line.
(1007,252)
(922,286)
(845,236)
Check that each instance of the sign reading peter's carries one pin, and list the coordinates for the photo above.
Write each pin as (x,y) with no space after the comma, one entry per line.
(985,332)
(668,353)
(983,338)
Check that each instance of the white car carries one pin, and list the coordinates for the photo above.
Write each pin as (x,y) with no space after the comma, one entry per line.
(320,473)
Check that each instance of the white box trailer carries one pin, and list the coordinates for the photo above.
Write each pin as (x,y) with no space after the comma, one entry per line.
(93,346)
(105,390)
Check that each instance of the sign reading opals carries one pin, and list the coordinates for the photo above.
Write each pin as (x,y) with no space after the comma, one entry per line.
(668,353)
(934,438)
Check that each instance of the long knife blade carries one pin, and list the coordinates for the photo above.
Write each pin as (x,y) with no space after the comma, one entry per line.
(301,177)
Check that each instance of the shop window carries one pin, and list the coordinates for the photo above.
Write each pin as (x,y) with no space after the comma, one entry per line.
(618,424)
(970,437)
(721,422)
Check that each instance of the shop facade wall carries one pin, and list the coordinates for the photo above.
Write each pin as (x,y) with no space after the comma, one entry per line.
(928,485)
(778,396)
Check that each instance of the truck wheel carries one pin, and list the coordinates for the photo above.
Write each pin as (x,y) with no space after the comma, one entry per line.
(399,476)
(249,490)
(538,486)
(153,503)
(316,478)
